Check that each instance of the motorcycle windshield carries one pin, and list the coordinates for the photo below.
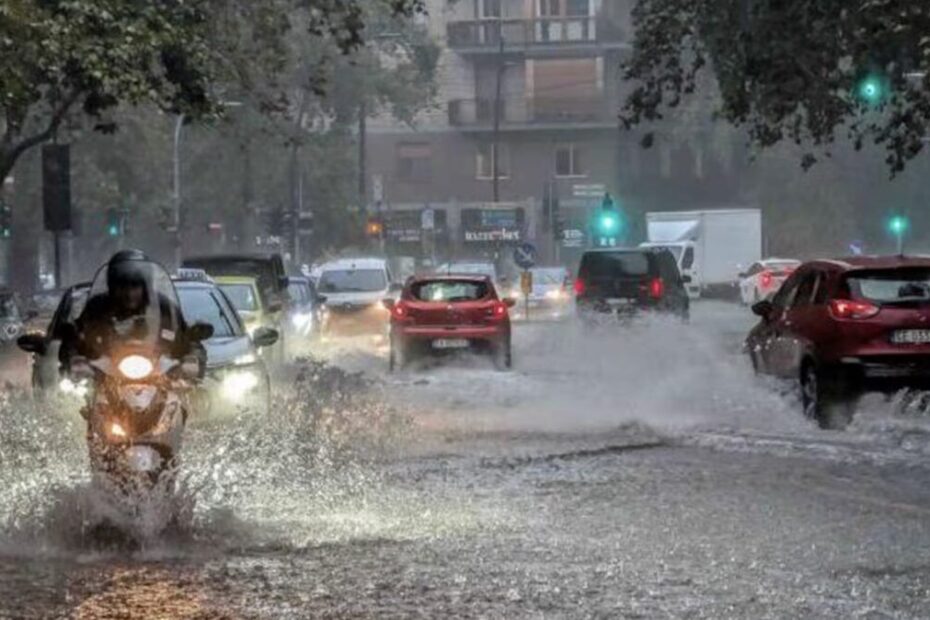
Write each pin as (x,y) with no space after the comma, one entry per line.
(133,302)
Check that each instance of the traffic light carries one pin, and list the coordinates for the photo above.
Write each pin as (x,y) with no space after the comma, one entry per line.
(6,220)
(114,223)
(374,227)
(871,89)
(898,225)
(608,223)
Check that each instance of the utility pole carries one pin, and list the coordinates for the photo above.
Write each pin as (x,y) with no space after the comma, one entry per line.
(362,154)
(176,192)
(495,143)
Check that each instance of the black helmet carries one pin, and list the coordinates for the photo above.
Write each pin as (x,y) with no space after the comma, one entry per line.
(127,268)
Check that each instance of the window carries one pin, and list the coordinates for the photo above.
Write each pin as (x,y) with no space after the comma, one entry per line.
(688,261)
(909,286)
(484,164)
(414,161)
(576,8)
(568,161)
(353,281)
(823,290)
(805,294)
(242,296)
(614,264)
(550,8)
(490,8)
(450,291)
(199,305)
(785,294)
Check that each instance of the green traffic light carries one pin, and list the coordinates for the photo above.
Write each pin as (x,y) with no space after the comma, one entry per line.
(871,90)
(898,225)
(608,223)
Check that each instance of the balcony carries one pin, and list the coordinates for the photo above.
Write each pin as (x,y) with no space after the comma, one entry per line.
(532,112)
(527,34)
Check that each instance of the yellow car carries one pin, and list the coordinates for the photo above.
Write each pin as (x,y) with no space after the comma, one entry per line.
(244,294)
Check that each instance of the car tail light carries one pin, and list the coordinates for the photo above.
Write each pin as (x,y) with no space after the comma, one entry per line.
(401,312)
(657,288)
(578,287)
(766,279)
(498,310)
(848,309)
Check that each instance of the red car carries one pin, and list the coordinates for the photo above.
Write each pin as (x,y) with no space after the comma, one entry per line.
(844,327)
(448,313)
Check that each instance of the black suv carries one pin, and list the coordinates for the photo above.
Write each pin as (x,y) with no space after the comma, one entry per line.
(625,281)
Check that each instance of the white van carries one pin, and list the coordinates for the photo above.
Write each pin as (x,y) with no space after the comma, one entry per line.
(354,289)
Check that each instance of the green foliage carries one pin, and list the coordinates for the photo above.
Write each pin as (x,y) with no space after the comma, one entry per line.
(790,71)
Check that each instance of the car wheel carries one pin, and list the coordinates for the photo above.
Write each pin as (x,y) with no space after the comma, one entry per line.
(503,356)
(398,356)
(825,400)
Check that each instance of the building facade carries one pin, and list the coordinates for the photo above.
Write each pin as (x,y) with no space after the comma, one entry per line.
(541,80)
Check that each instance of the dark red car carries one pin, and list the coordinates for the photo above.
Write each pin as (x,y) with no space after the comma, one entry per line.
(844,327)
(444,313)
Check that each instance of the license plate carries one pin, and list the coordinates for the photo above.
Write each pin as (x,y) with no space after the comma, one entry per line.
(450,343)
(911,336)
(616,302)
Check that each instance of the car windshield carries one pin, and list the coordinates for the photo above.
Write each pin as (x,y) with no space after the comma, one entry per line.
(242,296)
(298,292)
(549,277)
(449,291)
(353,281)
(203,305)
(891,286)
(615,264)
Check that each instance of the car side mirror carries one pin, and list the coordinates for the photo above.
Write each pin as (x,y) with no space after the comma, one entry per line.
(742,274)
(388,303)
(264,337)
(686,279)
(32,343)
(510,302)
(764,308)
(200,332)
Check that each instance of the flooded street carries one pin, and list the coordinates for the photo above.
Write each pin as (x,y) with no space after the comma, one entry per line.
(637,473)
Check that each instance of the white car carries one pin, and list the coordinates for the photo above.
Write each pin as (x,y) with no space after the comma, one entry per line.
(763,278)
(354,289)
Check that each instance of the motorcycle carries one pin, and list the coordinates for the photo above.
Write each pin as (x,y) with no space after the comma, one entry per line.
(137,393)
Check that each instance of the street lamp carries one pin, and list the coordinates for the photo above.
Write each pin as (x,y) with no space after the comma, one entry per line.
(176,191)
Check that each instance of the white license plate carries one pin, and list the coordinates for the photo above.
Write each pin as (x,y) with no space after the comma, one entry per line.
(617,302)
(911,336)
(450,343)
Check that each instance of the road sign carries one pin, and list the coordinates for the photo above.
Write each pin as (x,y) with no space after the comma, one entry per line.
(524,255)
(589,190)
(526,282)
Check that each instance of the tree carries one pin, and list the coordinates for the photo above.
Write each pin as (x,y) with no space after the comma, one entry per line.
(62,56)
(800,70)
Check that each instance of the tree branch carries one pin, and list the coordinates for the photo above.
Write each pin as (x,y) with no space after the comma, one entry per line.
(58,115)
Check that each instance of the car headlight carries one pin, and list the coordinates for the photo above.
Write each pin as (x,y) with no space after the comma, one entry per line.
(135,367)
(555,293)
(301,320)
(238,384)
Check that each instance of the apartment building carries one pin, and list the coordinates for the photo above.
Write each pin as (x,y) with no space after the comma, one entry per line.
(542,80)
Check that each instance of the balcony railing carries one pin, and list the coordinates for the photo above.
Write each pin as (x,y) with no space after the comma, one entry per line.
(539,110)
(522,33)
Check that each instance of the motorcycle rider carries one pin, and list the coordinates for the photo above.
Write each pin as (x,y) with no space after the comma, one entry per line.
(121,312)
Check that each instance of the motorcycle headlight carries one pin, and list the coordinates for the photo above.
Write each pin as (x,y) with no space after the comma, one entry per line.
(135,367)
(117,431)
(238,384)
